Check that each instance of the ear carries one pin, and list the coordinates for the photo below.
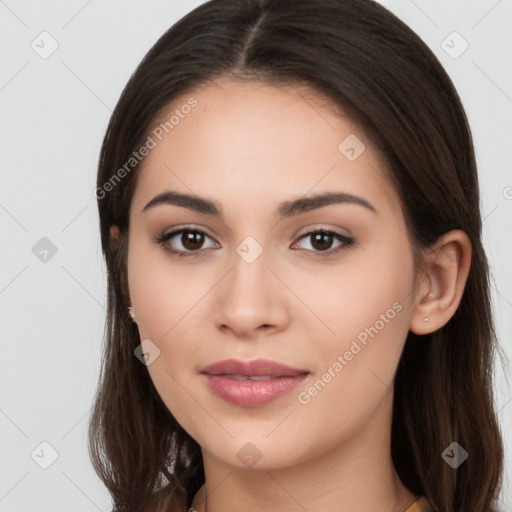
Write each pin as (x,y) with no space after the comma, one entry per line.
(439,293)
(114,236)
(114,242)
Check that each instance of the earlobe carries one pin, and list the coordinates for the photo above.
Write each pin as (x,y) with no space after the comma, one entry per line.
(447,268)
(131,313)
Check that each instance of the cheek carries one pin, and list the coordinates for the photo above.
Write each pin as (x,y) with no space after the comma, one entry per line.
(167,303)
(368,291)
(368,310)
(356,369)
(162,292)
(177,390)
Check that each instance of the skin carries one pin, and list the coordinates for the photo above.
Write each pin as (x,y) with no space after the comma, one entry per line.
(249,147)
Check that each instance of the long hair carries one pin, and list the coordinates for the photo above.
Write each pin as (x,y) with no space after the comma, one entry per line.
(362,58)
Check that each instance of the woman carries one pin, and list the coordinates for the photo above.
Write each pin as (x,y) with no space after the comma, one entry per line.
(298,310)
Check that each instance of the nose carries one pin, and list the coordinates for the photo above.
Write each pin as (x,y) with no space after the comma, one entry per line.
(251,299)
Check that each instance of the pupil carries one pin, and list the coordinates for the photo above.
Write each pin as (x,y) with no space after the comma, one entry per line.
(319,236)
(192,240)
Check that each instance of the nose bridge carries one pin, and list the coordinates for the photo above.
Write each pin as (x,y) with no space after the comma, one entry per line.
(250,295)
(250,275)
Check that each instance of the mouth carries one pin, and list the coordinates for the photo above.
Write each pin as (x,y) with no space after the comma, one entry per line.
(252,377)
(253,383)
(248,369)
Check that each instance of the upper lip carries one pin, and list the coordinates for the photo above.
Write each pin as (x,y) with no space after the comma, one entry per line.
(257,367)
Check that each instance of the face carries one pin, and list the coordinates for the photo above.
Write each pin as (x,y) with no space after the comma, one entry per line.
(322,287)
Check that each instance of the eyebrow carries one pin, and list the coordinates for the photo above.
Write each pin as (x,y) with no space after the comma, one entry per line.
(284,210)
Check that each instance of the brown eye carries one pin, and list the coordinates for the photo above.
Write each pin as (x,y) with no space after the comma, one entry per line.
(184,242)
(189,242)
(192,240)
(322,240)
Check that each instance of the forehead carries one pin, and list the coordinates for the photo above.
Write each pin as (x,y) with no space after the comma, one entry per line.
(248,141)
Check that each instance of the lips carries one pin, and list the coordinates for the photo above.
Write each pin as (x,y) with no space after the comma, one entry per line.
(252,383)
(256,368)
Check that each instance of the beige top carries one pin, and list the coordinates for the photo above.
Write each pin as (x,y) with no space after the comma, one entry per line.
(420,505)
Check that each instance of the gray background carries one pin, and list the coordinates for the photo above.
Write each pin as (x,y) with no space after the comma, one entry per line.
(54,111)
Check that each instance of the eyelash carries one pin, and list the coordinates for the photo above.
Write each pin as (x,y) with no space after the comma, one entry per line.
(163,239)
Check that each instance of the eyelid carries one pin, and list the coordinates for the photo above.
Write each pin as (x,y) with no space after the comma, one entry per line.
(166,236)
(346,241)
(318,226)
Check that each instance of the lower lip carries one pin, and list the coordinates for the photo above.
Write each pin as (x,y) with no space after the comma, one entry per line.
(252,393)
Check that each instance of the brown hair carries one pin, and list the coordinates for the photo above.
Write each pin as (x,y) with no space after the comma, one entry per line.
(362,57)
